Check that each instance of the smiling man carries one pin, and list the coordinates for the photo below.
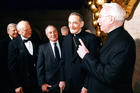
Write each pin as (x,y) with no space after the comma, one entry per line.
(48,63)
(22,57)
(74,73)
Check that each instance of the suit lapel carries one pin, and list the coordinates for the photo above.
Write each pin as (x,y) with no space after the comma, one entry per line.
(34,48)
(22,46)
(69,44)
(72,52)
(50,52)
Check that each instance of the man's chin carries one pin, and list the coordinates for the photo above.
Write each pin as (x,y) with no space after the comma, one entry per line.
(73,32)
(28,36)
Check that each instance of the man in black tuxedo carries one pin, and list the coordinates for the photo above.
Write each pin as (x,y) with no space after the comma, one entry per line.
(74,72)
(22,57)
(12,33)
(48,63)
(112,70)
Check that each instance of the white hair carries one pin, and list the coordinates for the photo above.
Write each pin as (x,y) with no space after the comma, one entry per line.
(20,24)
(115,10)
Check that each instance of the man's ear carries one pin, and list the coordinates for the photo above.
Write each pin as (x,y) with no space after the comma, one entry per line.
(112,19)
(82,24)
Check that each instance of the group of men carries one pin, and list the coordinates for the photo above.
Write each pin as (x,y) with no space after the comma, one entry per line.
(72,65)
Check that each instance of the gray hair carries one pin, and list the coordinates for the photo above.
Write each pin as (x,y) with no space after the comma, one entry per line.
(77,14)
(11,25)
(50,26)
(115,10)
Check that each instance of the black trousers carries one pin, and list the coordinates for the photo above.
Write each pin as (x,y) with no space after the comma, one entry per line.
(32,90)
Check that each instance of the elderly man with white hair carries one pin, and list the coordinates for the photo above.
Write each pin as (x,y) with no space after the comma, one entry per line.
(22,57)
(112,70)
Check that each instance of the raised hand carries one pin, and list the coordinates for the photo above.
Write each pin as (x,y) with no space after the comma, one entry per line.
(82,50)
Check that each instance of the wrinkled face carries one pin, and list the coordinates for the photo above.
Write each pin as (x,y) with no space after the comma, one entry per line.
(104,21)
(52,34)
(25,30)
(75,25)
(12,31)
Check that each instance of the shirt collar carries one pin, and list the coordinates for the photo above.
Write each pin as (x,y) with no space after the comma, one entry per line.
(23,38)
(52,43)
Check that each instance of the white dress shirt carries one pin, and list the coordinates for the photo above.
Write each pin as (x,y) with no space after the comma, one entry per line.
(28,45)
(58,46)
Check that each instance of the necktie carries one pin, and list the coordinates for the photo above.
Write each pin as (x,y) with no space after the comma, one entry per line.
(57,56)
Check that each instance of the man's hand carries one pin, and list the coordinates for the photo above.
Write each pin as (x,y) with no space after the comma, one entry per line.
(84,90)
(45,87)
(19,90)
(62,86)
(82,50)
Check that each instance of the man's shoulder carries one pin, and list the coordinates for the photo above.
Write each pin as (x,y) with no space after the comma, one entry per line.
(44,45)
(15,43)
(89,36)
(66,38)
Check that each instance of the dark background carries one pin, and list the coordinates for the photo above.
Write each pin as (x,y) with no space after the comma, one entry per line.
(41,4)
(39,13)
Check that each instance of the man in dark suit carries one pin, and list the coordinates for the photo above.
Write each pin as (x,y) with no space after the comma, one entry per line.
(74,72)
(12,33)
(22,57)
(112,70)
(48,63)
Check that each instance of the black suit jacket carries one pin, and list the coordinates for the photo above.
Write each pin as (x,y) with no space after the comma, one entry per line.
(4,64)
(47,69)
(4,49)
(113,69)
(21,64)
(74,72)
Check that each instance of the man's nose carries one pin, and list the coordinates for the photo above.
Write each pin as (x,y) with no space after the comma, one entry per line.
(16,31)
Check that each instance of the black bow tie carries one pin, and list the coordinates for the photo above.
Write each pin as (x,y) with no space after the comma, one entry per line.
(29,39)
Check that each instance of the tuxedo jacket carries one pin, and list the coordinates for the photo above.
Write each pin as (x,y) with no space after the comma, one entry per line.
(73,70)
(48,70)
(21,64)
(113,69)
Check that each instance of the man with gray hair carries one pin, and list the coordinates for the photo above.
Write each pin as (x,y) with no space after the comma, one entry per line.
(48,63)
(112,70)
(75,74)
(12,33)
